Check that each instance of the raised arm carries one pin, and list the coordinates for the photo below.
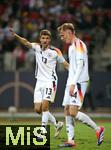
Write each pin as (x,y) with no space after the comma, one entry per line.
(20,39)
(61,59)
(65,63)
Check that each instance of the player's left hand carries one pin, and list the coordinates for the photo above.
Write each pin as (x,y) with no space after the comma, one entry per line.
(71,90)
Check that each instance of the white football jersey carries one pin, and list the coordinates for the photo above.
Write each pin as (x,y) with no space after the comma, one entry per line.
(46,61)
(77,51)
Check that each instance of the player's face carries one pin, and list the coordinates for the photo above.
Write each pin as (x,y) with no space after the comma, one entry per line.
(61,33)
(67,34)
(45,40)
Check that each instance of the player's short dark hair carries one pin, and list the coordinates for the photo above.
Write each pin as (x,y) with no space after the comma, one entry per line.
(66,26)
(45,32)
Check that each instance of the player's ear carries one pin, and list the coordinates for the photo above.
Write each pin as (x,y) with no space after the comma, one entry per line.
(69,31)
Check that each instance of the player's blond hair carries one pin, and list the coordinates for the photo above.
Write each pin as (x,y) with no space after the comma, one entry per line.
(66,26)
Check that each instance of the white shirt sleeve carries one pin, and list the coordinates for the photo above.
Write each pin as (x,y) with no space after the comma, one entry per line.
(35,47)
(80,64)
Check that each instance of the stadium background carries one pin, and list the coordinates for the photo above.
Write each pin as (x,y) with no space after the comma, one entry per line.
(92,20)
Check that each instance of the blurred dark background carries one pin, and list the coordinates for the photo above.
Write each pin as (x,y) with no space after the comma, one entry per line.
(92,21)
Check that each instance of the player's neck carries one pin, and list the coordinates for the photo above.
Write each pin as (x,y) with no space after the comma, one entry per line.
(44,47)
(73,38)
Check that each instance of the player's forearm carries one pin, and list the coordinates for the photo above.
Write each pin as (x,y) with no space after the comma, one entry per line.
(23,40)
(66,65)
(20,39)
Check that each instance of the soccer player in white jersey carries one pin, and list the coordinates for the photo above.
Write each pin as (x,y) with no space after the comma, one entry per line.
(76,85)
(46,85)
